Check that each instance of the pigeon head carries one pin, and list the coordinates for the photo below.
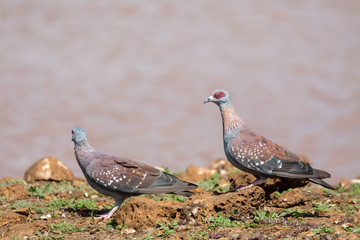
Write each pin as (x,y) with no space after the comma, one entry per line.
(219,97)
(78,135)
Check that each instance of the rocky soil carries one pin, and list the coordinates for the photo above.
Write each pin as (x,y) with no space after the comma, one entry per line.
(277,209)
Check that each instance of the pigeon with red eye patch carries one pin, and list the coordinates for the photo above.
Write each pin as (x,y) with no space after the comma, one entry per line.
(253,153)
(120,177)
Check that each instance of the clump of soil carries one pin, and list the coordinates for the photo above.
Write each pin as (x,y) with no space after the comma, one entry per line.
(65,210)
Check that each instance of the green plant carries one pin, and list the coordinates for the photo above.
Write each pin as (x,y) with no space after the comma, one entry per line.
(5,199)
(165,197)
(167,229)
(277,194)
(198,235)
(322,229)
(22,204)
(112,223)
(45,236)
(147,237)
(72,203)
(220,221)
(11,182)
(41,191)
(321,207)
(210,184)
(265,215)
(65,227)
(15,238)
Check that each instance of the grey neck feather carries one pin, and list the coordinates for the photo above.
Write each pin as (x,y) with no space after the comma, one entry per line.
(230,131)
(82,151)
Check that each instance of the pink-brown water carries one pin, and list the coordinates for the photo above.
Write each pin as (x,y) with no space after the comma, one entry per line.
(135,74)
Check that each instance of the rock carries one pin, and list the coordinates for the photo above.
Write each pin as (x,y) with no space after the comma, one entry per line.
(208,204)
(270,185)
(222,166)
(48,168)
(288,199)
(142,212)
(195,174)
(347,182)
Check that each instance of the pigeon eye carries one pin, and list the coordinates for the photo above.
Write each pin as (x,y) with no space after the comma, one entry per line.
(219,94)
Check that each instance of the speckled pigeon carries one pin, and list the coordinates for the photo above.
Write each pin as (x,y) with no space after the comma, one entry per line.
(120,177)
(251,152)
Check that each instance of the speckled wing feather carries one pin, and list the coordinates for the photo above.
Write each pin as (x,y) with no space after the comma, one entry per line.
(257,153)
(121,174)
(115,173)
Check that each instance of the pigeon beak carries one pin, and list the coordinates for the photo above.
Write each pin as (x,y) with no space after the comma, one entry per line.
(209,99)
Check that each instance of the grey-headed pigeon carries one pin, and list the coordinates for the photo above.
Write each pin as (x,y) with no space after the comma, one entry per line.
(120,177)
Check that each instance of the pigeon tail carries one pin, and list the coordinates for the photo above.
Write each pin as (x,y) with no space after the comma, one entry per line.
(321,182)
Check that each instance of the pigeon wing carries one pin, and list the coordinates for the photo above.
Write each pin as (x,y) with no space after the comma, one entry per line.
(257,153)
(120,174)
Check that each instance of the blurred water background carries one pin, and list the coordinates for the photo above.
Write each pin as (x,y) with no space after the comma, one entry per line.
(134,74)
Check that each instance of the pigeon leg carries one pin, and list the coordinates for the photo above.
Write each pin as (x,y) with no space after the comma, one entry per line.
(258,181)
(109,214)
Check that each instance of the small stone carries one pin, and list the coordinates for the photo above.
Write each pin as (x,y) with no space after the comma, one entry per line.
(48,168)
(128,231)
(195,174)
(222,166)
(45,217)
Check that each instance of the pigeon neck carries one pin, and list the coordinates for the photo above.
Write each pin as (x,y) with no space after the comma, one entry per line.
(82,150)
(232,123)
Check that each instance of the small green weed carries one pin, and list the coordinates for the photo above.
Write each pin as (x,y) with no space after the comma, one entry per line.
(221,221)
(266,216)
(22,204)
(112,223)
(65,227)
(322,207)
(11,182)
(15,238)
(165,197)
(277,194)
(6,199)
(147,237)
(44,236)
(41,191)
(74,204)
(212,184)
(167,229)
(198,235)
(322,229)
(56,187)
(349,190)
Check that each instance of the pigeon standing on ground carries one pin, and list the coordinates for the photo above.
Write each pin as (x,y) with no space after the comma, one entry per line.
(251,152)
(120,177)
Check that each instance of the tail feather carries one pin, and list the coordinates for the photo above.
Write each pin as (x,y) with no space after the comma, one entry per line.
(321,182)
(321,174)
(180,188)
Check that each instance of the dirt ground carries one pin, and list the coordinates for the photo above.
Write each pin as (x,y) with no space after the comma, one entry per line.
(66,210)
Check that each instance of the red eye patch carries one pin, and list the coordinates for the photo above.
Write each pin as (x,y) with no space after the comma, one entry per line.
(219,94)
